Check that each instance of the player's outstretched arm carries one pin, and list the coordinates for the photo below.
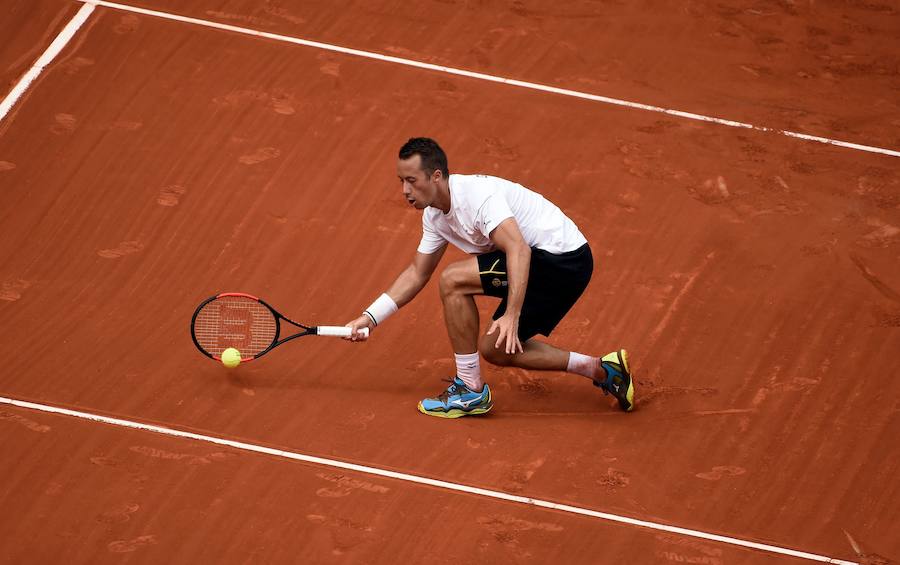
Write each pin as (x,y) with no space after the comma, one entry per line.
(414,278)
(407,285)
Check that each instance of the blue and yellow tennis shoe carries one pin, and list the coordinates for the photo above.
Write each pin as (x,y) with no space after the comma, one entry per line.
(457,401)
(618,379)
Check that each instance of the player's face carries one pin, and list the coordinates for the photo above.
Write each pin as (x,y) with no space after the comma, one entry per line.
(419,188)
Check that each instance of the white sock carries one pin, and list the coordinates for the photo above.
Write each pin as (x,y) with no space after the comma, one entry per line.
(468,369)
(584,365)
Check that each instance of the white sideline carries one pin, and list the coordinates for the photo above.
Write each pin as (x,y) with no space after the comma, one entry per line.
(490,78)
(425,481)
(49,54)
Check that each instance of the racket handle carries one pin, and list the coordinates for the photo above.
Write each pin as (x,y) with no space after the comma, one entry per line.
(339,331)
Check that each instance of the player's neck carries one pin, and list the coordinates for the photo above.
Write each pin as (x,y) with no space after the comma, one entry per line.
(442,200)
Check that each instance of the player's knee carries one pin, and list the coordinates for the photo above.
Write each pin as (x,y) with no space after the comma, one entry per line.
(449,281)
(491,354)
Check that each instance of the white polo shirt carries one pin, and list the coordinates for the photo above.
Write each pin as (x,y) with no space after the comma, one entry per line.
(478,203)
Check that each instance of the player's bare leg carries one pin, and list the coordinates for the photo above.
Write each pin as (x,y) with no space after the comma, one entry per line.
(467,393)
(609,373)
(458,285)
(538,355)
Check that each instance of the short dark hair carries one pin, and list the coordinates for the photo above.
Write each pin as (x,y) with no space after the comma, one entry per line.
(433,157)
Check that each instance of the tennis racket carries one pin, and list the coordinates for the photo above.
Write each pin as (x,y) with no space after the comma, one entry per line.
(250,325)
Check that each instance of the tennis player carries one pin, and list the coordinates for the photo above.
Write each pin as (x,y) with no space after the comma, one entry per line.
(524,250)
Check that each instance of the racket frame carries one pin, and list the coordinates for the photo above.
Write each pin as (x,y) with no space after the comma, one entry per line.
(306,330)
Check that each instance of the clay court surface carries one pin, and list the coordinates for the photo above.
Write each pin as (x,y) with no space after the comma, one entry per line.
(753,277)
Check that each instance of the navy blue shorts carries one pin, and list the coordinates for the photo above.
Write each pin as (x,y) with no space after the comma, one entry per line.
(555,282)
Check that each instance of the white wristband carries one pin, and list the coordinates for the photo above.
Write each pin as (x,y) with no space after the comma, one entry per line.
(381,309)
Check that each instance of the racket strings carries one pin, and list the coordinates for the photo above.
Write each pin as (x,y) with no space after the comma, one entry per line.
(235,321)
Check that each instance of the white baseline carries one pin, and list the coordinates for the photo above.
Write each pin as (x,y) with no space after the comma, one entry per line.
(490,78)
(425,481)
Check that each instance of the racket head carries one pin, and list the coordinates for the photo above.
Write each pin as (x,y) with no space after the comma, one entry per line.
(234,319)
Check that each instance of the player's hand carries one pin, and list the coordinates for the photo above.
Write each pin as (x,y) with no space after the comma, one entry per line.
(358,324)
(507,328)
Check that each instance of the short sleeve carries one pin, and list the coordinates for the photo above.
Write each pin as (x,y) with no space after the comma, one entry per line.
(431,241)
(492,213)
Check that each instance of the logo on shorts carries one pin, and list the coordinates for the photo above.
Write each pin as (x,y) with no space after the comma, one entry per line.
(498,283)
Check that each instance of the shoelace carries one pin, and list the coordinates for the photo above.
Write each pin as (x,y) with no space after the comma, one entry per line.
(450,390)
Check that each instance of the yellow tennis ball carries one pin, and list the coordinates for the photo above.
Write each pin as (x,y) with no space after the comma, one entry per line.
(231,358)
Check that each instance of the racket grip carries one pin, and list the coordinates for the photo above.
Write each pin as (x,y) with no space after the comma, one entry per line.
(339,331)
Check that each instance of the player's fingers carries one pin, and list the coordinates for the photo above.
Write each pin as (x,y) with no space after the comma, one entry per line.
(512,344)
(510,341)
(355,333)
(501,336)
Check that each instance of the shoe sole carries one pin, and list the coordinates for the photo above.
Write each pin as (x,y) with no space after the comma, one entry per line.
(455,412)
(629,394)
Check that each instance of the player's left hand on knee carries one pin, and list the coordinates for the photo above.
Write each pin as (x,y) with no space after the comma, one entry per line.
(507,328)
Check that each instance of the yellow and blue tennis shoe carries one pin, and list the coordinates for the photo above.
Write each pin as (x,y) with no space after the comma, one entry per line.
(457,401)
(618,379)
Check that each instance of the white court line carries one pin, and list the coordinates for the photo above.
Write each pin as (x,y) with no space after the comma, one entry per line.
(52,51)
(491,78)
(425,481)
